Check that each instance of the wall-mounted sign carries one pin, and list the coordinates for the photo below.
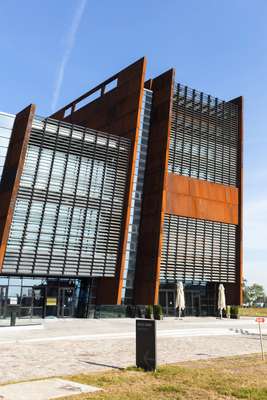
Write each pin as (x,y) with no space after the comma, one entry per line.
(51,301)
(146,344)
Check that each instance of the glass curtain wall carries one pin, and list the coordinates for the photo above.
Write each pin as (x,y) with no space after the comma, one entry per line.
(40,296)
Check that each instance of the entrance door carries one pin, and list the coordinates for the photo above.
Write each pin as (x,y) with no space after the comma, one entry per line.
(3,301)
(196,304)
(65,302)
(170,303)
(167,301)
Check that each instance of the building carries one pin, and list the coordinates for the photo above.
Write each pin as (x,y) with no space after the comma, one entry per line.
(118,196)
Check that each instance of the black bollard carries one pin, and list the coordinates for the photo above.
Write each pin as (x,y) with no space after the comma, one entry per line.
(13,316)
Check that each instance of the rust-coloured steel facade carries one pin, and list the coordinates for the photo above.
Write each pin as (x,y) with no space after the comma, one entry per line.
(12,172)
(183,195)
(154,198)
(116,112)
(190,197)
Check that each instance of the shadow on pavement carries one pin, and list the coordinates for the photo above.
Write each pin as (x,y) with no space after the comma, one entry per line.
(102,365)
(252,335)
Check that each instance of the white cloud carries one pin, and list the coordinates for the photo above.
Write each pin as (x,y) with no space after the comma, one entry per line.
(69,46)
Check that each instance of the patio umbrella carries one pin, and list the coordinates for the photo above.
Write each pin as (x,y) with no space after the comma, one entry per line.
(221,299)
(180,301)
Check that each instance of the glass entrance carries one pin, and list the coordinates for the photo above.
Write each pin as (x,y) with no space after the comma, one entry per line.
(170,302)
(200,299)
(194,303)
(3,301)
(167,301)
(65,305)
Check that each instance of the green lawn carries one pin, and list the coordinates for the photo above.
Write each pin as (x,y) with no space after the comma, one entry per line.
(253,312)
(224,378)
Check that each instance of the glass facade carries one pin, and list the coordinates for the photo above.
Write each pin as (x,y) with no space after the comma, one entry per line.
(40,296)
(69,207)
(200,299)
(136,202)
(6,124)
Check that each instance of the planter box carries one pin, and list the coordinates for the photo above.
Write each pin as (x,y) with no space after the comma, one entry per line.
(235,316)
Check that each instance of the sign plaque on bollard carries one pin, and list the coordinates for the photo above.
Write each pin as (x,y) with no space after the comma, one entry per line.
(146,344)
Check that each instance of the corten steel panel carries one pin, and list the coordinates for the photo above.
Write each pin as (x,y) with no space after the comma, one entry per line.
(12,172)
(115,112)
(234,292)
(154,197)
(190,197)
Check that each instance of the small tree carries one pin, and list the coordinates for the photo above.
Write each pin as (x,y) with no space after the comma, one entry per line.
(254,294)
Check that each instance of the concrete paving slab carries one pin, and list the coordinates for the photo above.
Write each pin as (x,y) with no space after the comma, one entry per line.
(46,389)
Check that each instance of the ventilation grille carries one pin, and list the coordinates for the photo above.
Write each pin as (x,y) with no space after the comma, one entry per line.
(69,208)
(204,137)
(198,250)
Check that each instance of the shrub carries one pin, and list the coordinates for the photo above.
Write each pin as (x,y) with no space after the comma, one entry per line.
(158,312)
(227,312)
(149,312)
(234,312)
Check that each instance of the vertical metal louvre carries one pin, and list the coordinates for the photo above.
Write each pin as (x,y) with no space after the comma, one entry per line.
(204,137)
(69,208)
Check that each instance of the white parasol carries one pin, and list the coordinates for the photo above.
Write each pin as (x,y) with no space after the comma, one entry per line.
(221,299)
(180,300)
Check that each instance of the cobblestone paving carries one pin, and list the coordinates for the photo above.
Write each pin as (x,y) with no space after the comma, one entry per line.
(62,353)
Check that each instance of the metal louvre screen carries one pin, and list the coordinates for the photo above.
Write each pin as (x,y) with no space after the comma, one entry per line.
(69,207)
(204,137)
(198,250)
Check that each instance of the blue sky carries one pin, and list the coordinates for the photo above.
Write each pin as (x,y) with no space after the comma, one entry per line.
(54,50)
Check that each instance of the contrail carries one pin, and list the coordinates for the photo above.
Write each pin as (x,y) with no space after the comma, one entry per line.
(69,46)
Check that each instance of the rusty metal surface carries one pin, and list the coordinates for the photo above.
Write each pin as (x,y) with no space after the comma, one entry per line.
(195,198)
(12,172)
(153,207)
(115,112)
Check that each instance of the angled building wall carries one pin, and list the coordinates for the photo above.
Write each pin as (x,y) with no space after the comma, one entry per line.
(115,107)
(12,171)
(198,237)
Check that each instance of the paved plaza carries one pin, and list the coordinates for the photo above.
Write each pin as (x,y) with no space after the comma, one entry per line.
(59,347)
